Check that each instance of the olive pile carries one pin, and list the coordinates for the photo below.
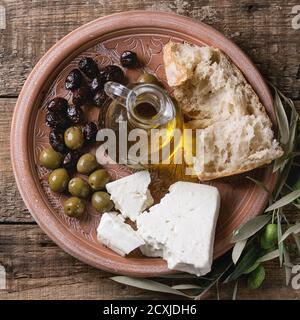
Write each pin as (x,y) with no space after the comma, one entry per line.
(70,135)
(80,189)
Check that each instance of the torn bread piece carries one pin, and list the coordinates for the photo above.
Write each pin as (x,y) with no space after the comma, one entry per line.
(216,99)
(114,233)
(181,228)
(131,194)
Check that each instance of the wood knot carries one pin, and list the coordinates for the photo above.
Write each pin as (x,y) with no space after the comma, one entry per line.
(252,8)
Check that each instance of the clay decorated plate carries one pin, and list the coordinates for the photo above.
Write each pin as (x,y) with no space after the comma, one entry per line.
(104,40)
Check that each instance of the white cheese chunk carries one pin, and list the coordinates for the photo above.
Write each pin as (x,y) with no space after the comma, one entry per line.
(181,228)
(114,233)
(130,194)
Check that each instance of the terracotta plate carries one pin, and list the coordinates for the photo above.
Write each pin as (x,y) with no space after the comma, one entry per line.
(104,39)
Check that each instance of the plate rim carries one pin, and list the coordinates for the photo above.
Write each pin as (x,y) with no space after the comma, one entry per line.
(31,90)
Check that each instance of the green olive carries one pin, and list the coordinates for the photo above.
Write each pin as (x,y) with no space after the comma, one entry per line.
(50,159)
(101,202)
(79,188)
(269,236)
(147,78)
(74,138)
(74,207)
(87,163)
(98,179)
(58,180)
(256,277)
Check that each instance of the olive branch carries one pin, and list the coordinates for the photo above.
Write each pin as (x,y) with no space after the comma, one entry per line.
(266,237)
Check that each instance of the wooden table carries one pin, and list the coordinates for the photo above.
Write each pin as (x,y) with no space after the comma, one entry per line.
(38,269)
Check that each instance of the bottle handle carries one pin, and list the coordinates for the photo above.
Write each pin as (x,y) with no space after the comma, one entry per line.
(116,90)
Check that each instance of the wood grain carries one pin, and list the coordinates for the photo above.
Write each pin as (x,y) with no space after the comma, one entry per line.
(36,267)
(12,208)
(263,29)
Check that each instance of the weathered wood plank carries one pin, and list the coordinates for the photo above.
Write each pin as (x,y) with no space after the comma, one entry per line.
(12,208)
(262,29)
(37,269)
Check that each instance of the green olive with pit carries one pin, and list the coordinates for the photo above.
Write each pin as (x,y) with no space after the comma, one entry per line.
(148,78)
(269,237)
(74,207)
(50,159)
(87,163)
(58,180)
(101,202)
(74,138)
(98,179)
(256,277)
(79,188)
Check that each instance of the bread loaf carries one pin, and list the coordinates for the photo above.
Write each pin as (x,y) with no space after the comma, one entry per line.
(216,99)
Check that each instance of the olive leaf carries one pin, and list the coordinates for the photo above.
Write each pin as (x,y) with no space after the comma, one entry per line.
(281,179)
(293,127)
(287,262)
(237,250)
(287,128)
(249,228)
(279,234)
(148,285)
(282,120)
(187,286)
(178,276)
(249,258)
(218,290)
(234,294)
(290,197)
(291,230)
(252,268)
(269,256)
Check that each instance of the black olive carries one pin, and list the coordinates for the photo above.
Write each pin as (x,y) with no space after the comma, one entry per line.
(70,160)
(97,83)
(75,114)
(56,138)
(58,105)
(100,98)
(73,80)
(57,120)
(81,96)
(128,59)
(89,67)
(89,131)
(112,73)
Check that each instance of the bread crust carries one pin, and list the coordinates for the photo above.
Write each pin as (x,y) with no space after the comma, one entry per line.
(212,176)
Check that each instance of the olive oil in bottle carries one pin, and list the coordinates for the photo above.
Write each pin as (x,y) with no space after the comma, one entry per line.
(144,116)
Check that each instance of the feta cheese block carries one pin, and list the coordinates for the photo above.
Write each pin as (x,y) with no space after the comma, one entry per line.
(130,194)
(181,228)
(114,233)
